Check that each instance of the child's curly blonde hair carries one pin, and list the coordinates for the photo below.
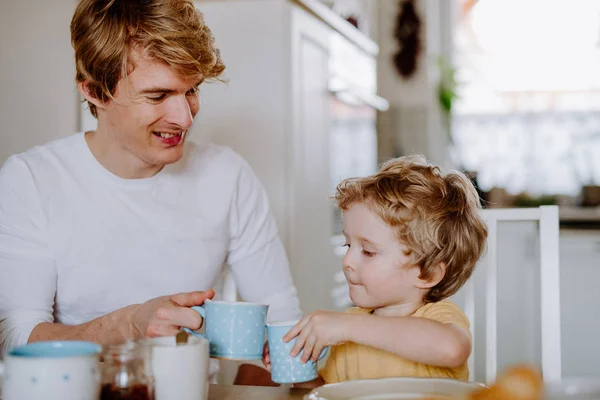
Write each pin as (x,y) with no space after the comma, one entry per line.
(437,215)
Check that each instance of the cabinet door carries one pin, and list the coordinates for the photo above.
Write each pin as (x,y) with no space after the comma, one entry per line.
(311,254)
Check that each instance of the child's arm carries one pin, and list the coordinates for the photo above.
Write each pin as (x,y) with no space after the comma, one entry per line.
(417,339)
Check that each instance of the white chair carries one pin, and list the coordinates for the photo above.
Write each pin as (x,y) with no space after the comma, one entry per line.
(548,219)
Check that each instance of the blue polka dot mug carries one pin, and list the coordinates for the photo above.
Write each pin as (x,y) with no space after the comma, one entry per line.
(235,330)
(54,370)
(285,368)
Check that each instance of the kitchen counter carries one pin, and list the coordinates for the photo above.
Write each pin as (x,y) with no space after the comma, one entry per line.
(579,217)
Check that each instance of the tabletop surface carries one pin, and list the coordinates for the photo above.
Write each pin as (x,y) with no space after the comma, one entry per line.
(230,392)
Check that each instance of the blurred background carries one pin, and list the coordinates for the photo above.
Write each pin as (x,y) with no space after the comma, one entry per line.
(507,91)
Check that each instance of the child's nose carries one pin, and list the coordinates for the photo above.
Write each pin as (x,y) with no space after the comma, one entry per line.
(350,260)
(346,264)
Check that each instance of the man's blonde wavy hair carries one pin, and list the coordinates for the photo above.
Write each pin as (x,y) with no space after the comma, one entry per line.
(437,215)
(104,32)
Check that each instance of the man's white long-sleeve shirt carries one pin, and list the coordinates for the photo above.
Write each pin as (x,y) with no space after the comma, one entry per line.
(77,242)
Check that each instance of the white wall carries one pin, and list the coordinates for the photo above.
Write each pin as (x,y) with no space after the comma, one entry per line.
(38,101)
(247,113)
(413,123)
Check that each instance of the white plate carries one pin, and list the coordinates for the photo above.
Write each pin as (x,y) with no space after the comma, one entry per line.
(392,389)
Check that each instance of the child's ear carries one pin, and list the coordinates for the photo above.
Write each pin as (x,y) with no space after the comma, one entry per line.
(436,277)
(84,90)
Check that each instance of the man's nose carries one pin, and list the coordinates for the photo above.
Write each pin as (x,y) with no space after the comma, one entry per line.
(180,112)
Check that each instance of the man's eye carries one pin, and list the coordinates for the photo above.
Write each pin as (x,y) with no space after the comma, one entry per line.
(156,98)
(368,253)
(192,92)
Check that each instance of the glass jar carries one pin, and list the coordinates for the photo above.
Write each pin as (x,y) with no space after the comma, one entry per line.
(127,372)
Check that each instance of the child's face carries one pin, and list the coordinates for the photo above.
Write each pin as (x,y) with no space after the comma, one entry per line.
(379,271)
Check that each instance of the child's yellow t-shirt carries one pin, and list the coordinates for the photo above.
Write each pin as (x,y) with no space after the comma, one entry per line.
(350,361)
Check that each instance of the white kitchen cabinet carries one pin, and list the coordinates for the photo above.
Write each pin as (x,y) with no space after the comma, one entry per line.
(275,110)
(310,213)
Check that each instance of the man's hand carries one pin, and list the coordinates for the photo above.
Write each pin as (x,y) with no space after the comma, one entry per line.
(318,330)
(165,316)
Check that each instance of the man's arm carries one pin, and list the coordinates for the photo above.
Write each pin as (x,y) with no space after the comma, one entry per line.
(111,328)
(265,277)
(256,255)
(27,267)
(162,316)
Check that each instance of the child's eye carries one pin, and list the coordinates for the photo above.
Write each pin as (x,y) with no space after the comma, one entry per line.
(192,92)
(346,245)
(368,253)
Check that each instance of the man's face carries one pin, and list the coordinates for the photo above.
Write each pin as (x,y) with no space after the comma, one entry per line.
(152,110)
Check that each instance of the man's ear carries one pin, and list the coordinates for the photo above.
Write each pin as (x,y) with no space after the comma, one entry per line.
(436,277)
(84,90)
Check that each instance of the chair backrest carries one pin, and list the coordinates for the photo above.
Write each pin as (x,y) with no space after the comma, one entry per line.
(548,230)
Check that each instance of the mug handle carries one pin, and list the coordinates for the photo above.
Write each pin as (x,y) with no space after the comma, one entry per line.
(200,310)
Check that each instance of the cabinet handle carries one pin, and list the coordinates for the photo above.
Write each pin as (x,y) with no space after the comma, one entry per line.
(354,96)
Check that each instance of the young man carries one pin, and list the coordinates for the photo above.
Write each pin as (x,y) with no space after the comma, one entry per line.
(115,233)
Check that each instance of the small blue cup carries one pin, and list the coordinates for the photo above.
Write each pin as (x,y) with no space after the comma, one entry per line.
(235,330)
(285,368)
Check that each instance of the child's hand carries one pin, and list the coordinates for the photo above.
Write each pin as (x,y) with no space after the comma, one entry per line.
(266,358)
(316,331)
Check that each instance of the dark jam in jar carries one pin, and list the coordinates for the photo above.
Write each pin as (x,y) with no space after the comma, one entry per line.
(135,392)
(126,372)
